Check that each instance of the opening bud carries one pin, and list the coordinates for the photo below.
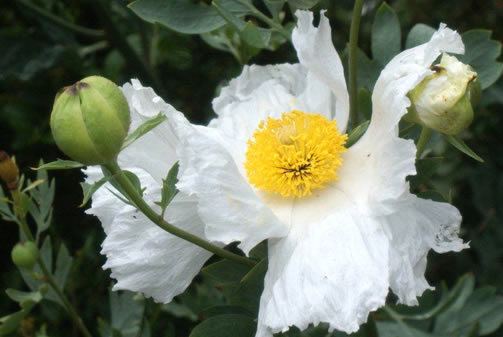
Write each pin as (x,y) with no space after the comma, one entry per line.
(25,254)
(444,100)
(9,172)
(90,120)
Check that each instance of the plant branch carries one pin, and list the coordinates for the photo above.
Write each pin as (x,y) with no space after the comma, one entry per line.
(157,219)
(63,23)
(264,18)
(353,51)
(52,283)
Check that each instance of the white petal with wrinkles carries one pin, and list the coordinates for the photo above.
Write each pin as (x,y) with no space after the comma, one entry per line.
(141,256)
(418,226)
(317,53)
(335,271)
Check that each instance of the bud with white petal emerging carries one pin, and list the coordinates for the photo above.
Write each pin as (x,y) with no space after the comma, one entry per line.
(90,120)
(444,100)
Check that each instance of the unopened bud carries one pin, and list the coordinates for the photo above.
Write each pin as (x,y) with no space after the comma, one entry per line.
(444,100)
(90,120)
(25,254)
(9,172)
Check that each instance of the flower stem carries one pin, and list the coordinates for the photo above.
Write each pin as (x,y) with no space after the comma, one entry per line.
(264,18)
(52,283)
(157,219)
(63,23)
(424,138)
(353,50)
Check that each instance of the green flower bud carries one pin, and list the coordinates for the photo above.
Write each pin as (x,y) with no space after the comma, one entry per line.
(90,120)
(444,100)
(25,254)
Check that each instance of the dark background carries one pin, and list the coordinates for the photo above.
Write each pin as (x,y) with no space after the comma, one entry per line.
(37,58)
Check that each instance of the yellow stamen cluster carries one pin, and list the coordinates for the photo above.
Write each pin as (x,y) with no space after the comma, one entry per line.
(295,154)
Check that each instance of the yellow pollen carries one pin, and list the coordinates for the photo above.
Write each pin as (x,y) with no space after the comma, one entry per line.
(295,154)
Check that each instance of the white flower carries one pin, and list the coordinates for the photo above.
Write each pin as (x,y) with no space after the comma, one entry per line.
(333,254)
(342,226)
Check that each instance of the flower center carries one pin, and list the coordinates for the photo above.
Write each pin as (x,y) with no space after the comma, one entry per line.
(295,154)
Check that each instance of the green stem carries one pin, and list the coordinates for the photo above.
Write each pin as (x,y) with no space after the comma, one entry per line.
(138,201)
(63,23)
(353,51)
(70,309)
(424,138)
(258,14)
(52,283)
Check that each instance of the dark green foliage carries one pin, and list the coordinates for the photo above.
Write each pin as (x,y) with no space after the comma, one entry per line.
(39,56)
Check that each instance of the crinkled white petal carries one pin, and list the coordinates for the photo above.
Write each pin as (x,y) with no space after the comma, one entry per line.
(401,75)
(155,152)
(418,226)
(316,52)
(380,161)
(334,271)
(227,204)
(260,92)
(141,256)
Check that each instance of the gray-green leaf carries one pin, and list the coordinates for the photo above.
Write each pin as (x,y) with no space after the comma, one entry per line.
(228,325)
(145,127)
(185,16)
(386,34)
(60,165)
(481,52)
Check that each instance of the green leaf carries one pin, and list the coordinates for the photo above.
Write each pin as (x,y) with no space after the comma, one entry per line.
(195,300)
(145,127)
(275,7)
(5,211)
(229,325)
(63,265)
(364,103)
(302,4)
(256,36)
(482,308)
(368,70)
(356,133)
(89,189)
(133,178)
(60,165)
(27,300)
(481,52)
(459,144)
(186,16)
(226,271)
(419,34)
(42,197)
(247,294)
(169,190)
(386,35)
(224,310)
(126,311)
(396,329)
